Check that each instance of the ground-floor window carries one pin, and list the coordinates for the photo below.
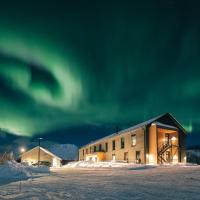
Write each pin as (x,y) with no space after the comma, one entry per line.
(91,158)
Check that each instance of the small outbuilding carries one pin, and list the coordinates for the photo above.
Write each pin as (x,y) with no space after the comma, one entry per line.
(41,155)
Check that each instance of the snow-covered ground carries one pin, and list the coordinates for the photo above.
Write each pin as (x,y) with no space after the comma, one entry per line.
(158,182)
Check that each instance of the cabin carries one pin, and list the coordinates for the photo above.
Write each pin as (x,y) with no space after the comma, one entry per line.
(42,156)
(157,141)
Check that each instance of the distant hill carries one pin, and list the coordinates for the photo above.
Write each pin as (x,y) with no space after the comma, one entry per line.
(193,156)
(65,151)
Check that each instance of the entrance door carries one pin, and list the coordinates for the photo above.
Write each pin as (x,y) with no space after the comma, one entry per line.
(126,156)
(138,158)
(113,157)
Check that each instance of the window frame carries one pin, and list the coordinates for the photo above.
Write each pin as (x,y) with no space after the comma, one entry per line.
(122,141)
(113,145)
(133,135)
(100,147)
(106,147)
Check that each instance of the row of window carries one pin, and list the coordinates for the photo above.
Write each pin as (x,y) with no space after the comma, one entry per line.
(122,142)
(137,156)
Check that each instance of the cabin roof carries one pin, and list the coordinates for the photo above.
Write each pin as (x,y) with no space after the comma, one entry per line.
(45,150)
(140,125)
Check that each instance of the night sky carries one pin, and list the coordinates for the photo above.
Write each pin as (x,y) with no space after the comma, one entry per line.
(73,71)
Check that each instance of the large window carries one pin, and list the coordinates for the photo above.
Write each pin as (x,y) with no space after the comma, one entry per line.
(122,142)
(95,148)
(106,146)
(113,145)
(83,152)
(100,147)
(133,140)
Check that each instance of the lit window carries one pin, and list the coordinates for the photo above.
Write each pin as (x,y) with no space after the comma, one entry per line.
(133,140)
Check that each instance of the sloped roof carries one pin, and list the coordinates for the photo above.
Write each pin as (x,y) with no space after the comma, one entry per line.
(143,124)
(45,150)
(165,126)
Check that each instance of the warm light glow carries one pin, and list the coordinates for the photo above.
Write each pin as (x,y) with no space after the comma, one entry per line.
(93,158)
(147,155)
(173,139)
(22,149)
(151,158)
(175,159)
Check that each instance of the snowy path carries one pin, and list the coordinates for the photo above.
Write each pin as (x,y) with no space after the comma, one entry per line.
(157,183)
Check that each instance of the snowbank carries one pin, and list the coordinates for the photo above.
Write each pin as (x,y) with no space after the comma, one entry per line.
(13,171)
(131,166)
(89,164)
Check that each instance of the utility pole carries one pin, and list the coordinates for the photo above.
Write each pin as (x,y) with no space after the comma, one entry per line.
(39,139)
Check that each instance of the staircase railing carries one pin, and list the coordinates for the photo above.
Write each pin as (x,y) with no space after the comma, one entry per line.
(161,151)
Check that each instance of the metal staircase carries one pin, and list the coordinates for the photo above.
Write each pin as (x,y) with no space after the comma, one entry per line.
(162,151)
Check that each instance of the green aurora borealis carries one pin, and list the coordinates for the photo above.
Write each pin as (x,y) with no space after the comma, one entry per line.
(87,63)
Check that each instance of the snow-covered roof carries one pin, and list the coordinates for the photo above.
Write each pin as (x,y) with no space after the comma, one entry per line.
(45,150)
(140,125)
(165,126)
(65,151)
